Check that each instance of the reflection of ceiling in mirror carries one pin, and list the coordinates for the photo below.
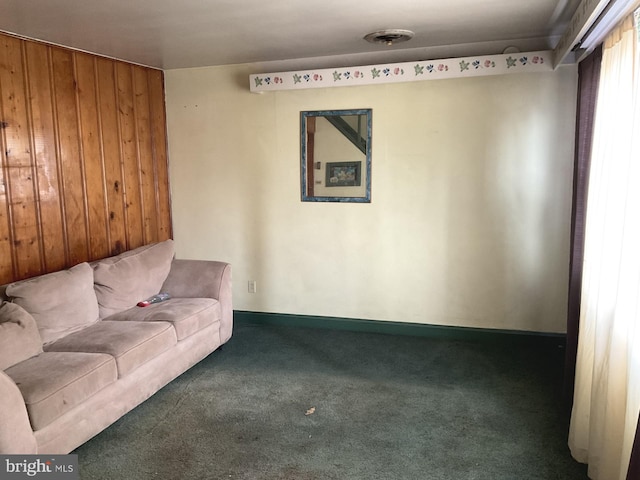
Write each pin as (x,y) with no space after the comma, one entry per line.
(332,146)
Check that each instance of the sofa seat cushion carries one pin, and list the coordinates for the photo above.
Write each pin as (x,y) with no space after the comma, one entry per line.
(187,315)
(53,383)
(19,337)
(130,343)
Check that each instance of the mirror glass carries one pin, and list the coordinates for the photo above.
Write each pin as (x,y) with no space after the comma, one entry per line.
(336,155)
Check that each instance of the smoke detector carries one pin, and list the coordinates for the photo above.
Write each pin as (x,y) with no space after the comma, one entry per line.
(389,36)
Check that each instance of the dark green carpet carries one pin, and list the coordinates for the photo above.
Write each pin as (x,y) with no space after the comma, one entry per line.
(386,407)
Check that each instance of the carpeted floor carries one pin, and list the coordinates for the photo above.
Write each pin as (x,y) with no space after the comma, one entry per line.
(311,404)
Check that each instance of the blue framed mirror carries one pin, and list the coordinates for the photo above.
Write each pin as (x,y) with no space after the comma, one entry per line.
(335,148)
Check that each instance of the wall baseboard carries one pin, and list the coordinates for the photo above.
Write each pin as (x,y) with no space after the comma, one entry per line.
(516,337)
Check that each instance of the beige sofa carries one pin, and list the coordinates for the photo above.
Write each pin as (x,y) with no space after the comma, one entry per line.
(76,353)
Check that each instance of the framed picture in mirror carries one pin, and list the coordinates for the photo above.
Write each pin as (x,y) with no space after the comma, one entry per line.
(343,174)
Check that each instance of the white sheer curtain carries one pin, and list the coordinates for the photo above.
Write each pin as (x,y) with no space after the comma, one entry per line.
(607,387)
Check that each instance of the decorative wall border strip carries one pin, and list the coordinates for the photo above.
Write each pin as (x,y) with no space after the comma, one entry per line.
(477,66)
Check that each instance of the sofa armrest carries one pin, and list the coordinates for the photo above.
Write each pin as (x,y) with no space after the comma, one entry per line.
(203,279)
(16,436)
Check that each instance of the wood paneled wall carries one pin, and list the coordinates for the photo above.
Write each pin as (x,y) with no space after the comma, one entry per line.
(83,158)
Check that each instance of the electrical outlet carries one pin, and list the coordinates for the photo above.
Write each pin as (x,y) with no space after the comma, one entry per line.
(252,286)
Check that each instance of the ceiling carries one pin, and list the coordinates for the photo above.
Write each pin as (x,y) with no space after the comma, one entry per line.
(172,34)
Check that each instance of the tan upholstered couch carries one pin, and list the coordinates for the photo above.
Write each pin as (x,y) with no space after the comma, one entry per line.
(76,353)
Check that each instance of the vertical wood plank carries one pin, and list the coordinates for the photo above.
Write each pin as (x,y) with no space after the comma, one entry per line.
(32,155)
(45,155)
(6,252)
(311,161)
(108,116)
(73,189)
(19,174)
(92,156)
(147,172)
(6,259)
(159,152)
(129,153)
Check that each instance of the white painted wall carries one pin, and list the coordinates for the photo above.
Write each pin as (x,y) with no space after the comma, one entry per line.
(471,198)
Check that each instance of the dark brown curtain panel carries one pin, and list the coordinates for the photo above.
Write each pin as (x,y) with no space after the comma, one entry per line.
(634,464)
(588,81)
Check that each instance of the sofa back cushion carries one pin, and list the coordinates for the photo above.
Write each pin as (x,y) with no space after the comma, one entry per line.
(19,337)
(126,279)
(61,303)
